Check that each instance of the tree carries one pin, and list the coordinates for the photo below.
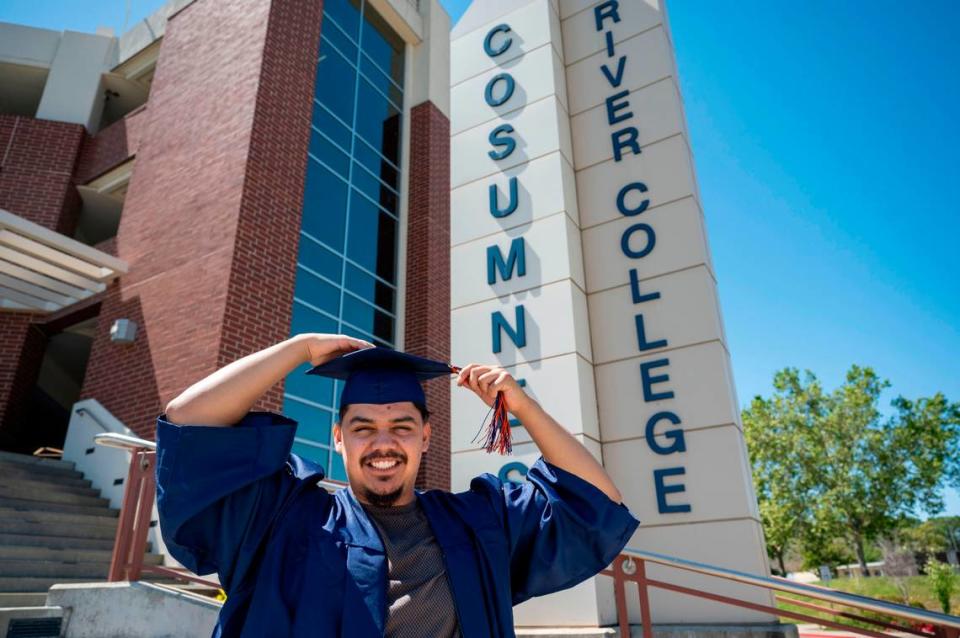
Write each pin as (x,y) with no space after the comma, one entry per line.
(942,580)
(829,465)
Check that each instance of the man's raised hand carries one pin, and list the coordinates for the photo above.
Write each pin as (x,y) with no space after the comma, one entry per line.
(322,347)
(486,381)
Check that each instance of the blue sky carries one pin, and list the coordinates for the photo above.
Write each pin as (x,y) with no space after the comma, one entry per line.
(824,138)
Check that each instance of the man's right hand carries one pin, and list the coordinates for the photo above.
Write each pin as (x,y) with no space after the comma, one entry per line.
(322,347)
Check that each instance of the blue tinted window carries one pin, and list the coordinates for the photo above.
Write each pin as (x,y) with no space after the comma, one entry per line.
(337,471)
(334,129)
(372,238)
(369,287)
(324,205)
(346,13)
(320,260)
(335,82)
(310,386)
(346,265)
(313,423)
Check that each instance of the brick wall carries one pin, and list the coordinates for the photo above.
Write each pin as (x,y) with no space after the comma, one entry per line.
(37,159)
(210,221)
(260,294)
(111,146)
(427,321)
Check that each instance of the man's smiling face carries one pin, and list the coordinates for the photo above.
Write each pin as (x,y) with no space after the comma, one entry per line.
(381,445)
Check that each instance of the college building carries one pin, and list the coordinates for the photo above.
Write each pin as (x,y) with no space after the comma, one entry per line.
(517,190)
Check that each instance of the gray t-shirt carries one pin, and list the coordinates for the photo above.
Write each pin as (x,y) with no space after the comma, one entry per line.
(418,593)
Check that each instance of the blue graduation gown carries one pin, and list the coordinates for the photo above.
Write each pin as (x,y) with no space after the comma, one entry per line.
(298,561)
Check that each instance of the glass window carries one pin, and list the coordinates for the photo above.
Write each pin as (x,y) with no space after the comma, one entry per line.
(336,78)
(370,287)
(375,189)
(337,471)
(317,292)
(372,240)
(319,259)
(324,120)
(377,164)
(378,121)
(313,423)
(346,266)
(367,318)
(324,205)
(309,386)
(383,46)
(337,37)
(346,13)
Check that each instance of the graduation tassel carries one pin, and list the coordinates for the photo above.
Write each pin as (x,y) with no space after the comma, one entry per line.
(498,434)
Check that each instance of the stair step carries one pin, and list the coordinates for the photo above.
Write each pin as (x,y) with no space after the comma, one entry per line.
(21,599)
(103,518)
(62,529)
(56,542)
(8,584)
(100,507)
(53,569)
(65,555)
(39,473)
(39,490)
(29,459)
(80,487)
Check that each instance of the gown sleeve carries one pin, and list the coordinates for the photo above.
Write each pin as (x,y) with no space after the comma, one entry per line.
(219,489)
(561,529)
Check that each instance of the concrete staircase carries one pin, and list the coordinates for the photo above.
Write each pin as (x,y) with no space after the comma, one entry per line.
(54,527)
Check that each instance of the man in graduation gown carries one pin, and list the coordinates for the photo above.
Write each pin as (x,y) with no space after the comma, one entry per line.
(378,557)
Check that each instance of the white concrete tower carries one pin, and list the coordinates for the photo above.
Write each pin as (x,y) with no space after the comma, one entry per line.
(580,262)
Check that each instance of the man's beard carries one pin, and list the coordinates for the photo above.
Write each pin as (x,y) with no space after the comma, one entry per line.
(382,500)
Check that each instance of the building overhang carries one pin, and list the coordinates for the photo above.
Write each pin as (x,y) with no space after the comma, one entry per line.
(42,271)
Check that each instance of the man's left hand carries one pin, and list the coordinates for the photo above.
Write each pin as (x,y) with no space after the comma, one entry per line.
(486,381)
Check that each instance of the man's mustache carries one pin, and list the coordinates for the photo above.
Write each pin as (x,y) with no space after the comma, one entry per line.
(373,456)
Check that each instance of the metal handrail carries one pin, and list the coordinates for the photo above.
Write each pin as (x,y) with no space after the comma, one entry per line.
(123,441)
(801,589)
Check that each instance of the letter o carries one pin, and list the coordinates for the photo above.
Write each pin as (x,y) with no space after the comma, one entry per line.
(628,233)
(507,93)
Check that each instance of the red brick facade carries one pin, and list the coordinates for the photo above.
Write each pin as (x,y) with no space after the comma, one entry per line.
(111,146)
(427,322)
(211,219)
(37,159)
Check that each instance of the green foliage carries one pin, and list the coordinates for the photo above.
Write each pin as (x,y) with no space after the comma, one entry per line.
(828,466)
(943,580)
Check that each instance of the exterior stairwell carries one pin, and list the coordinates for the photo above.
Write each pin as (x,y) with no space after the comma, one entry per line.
(54,528)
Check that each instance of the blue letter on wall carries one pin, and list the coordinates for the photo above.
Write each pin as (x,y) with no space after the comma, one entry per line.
(516,466)
(613,106)
(642,344)
(635,289)
(488,41)
(510,85)
(625,137)
(499,137)
(647,381)
(663,490)
(640,187)
(628,233)
(675,435)
(606,10)
(518,336)
(516,257)
(495,209)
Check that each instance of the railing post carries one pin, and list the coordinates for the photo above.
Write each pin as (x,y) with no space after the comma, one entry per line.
(644,599)
(619,591)
(146,481)
(121,542)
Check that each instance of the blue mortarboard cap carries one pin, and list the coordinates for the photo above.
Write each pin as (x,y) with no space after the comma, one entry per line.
(381,375)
